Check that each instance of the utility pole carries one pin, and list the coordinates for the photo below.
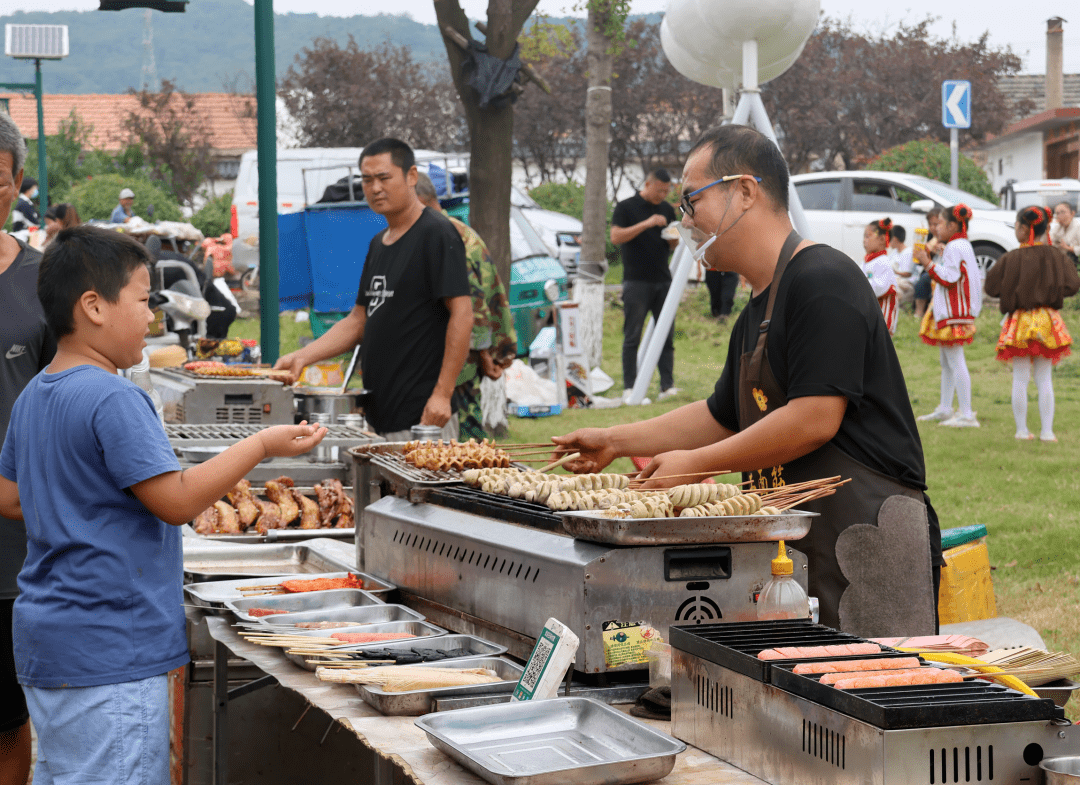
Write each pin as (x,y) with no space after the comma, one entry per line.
(149,64)
(266,149)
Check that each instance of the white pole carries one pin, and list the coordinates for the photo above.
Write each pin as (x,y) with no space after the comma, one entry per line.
(761,120)
(663,325)
(954,156)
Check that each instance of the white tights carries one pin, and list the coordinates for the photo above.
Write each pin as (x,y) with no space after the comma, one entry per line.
(955,378)
(1022,367)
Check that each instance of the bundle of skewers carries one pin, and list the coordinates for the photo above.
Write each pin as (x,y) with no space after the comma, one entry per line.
(403,678)
(1034,667)
(297,585)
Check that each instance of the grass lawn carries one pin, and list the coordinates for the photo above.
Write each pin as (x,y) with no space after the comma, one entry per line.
(1026,493)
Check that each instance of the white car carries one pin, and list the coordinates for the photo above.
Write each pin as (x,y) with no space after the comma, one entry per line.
(561,233)
(839,205)
(1048,193)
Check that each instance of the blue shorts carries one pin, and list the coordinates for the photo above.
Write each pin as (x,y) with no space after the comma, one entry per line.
(115,734)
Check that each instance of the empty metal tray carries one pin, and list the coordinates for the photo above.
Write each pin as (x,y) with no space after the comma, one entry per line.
(370,614)
(418,629)
(335,599)
(214,594)
(552,742)
(416,702)
(592,525)
(225,562)
(476,647)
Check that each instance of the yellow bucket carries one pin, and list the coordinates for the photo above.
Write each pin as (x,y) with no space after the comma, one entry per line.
(967,590)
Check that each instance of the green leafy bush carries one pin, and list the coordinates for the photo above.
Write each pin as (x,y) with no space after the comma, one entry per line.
(569,199)
(97,197)
(931,159)
(213,218)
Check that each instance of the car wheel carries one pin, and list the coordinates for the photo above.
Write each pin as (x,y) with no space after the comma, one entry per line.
(986,254)
(249,281)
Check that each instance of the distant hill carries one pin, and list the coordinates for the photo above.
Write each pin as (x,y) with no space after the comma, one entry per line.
(210,47)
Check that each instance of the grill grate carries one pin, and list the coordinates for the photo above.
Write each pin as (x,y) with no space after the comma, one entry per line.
(395,463)
(222,434)
(492,505)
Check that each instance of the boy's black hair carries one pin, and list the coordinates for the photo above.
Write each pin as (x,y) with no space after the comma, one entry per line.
(28,182)
(83,259)
(400,153)
(899,233)
(661,175)
(737,149)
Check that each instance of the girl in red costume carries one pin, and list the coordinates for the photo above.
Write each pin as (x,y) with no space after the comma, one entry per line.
(1033,282)
(950,321)
(879,271)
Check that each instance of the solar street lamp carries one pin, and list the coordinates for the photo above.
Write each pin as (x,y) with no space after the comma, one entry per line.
(37,43)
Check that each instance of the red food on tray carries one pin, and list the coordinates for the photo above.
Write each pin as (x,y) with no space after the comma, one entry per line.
(840,666)
(924,676)
(323,584)
(833,678)
(370,637)
(256,613)
(812,652)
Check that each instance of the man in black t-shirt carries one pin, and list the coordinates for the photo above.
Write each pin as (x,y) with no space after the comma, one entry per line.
(636,225)
(812,388)
(413,313)
(26,346)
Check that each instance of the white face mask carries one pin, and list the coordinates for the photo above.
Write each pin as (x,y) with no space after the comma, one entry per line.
(698,242)
(33,193)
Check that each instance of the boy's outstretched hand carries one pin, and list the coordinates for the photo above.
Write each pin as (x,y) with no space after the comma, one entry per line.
(285,441)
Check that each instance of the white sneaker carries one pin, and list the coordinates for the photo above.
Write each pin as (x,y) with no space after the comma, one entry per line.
(626,393)
(938,415)
(958,421)
(670,391)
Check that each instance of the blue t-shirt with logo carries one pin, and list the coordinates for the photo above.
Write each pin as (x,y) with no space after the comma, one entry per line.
(101,589)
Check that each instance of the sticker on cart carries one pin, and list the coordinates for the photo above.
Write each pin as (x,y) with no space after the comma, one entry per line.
(625,642)
(555,648)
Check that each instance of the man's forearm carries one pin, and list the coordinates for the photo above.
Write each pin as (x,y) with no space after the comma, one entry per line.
(686,428)
(624,234)
(340,338)
(455,350)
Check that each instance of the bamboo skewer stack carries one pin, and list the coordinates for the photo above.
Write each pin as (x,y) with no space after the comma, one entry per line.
(1034,667)
(789,496)
(398,678)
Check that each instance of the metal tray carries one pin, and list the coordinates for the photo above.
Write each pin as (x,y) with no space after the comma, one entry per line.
(422,630)
(274,535)
(371,614)
(552,742)
(184,435)
(591,525)
(335,599)
(477,647)
(416,702)
(213,595)
(227,562)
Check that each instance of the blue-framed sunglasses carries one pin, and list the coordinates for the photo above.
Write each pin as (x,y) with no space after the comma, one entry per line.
(688,208)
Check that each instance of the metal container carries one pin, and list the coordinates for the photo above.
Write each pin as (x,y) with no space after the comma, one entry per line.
(420,630)
(476,647)
(367,614)
(426,433)
(335,599)
(190,398)
(1058,691)
(593,526)
(1061,771)
(413,703)
(214,594)
(353,421)
(322,453)
(552,742)
(228,562)
(327,400)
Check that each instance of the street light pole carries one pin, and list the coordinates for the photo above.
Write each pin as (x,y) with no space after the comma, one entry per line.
(43,169)
(265,97)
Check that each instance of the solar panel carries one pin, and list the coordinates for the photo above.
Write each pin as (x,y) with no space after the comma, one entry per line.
(46,42)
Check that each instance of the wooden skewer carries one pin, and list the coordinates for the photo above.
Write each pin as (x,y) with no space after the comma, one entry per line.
(560,462)
(268,587)
(705,474)
(508,446)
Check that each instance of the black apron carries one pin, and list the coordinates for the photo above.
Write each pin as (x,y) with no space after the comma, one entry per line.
(868,552)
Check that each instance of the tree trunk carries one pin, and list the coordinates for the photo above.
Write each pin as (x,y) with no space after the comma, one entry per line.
(491,131)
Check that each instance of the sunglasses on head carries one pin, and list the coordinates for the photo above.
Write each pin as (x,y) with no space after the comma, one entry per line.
(687,206)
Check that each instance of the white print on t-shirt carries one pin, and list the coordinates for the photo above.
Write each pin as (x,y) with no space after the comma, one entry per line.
(377,294)
(16,350)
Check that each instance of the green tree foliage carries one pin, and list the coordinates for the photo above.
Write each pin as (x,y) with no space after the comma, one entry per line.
(569,199)
(931,159)
(213,218)
(97,197)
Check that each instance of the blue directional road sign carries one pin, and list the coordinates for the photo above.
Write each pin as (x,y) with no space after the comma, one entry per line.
(956,104)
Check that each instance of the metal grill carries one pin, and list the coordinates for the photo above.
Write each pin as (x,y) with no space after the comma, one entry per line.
(395,467)
(224,434)
(502,508)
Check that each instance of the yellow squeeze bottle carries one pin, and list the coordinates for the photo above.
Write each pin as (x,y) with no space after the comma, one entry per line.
(783,597)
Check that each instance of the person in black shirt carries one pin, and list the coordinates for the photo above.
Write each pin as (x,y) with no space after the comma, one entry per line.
(25,215)
(812,388)
(636,224)
(413,314)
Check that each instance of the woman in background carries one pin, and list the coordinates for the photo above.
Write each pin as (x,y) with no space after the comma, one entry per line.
(60,216)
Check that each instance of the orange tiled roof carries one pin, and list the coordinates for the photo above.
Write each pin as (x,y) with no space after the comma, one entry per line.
(230,117)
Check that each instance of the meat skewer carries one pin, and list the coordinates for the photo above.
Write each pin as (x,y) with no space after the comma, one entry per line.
(279,491)
(241,498)
(841,666)
(812,652)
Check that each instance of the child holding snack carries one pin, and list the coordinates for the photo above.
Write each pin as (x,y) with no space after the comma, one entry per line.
(99,622)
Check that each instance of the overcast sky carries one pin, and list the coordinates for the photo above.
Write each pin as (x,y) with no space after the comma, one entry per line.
(1019,25)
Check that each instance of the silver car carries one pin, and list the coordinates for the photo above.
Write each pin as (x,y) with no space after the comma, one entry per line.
(561,233)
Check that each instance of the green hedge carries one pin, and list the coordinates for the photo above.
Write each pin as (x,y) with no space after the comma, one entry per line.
(569,199)
(931,159)
(213,218)
(97,197)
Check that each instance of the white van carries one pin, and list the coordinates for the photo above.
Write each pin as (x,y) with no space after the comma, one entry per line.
(302,175)
(1047,193)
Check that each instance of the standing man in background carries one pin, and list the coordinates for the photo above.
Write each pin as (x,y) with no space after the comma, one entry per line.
(24,215)
(26,346)
(636,225)
(493,345)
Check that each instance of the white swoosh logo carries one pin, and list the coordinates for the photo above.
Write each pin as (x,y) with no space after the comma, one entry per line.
(15,351)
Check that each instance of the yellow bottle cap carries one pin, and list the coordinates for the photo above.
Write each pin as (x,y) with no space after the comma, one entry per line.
(782,565)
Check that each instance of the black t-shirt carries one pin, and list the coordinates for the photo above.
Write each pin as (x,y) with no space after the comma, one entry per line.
(828,337)
(402,288)
(645,258)
(26,346)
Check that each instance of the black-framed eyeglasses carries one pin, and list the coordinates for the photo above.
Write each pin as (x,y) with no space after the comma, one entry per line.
(687,206)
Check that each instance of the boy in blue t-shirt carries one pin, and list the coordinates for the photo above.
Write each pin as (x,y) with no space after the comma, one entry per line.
(98,622)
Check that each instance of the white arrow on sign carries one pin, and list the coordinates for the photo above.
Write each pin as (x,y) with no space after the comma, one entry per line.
(953,104)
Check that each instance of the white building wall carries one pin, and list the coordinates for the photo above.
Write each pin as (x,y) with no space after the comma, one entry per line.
(1016,158)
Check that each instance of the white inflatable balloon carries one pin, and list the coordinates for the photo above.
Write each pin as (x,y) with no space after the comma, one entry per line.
(703,38)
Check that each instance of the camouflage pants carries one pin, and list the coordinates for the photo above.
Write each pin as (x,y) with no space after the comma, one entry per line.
(466,398)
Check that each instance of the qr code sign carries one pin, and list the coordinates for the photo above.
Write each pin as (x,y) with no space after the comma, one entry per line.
(537,663)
